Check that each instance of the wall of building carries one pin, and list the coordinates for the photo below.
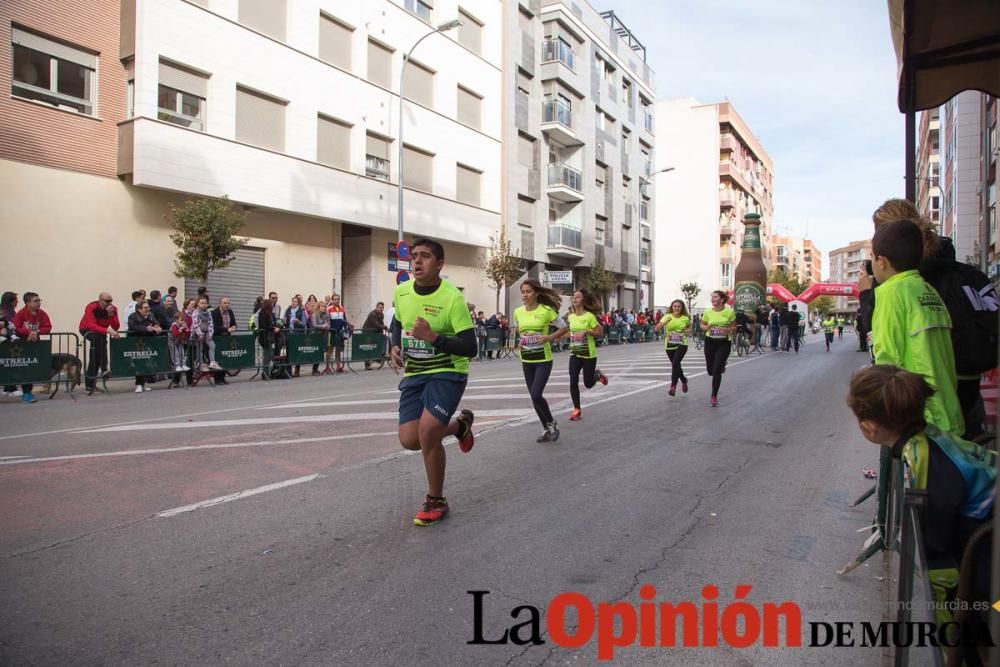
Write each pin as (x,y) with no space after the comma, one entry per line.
(687,220)
(37,133)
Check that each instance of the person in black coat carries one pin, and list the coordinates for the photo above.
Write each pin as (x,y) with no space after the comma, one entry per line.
(142,323)
(224,321)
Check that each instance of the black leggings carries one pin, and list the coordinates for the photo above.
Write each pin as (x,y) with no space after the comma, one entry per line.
(716,353)
(676,354)
(536,376)
(589,368)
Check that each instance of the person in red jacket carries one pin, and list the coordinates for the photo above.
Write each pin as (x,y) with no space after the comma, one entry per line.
(100,320)
(29,322)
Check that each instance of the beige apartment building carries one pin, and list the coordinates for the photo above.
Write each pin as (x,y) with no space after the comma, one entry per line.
(720,172)
(846,266)
(797,257)
(114,110)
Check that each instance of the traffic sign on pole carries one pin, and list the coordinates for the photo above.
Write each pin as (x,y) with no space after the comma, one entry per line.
(402,277)
(403,250)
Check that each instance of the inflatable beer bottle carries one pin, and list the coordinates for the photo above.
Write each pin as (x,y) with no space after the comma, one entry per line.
(751,275)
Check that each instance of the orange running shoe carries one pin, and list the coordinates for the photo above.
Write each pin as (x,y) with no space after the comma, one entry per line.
(434,510)
(575,415)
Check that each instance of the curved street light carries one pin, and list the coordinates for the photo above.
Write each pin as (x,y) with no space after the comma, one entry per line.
(444,27)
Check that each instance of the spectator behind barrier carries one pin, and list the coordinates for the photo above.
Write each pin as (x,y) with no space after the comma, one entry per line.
(911,327)
(203,335)
(29,323)
(100,320)
(375,322)
(180,333)
(958,476)
(142,323)
(158,310)
(339,329)
(319,320)
(267,330)
(224,322)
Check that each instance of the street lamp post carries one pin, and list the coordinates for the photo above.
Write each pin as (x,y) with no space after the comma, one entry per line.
(444,27)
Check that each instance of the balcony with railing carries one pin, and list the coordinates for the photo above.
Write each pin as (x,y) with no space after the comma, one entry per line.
(565,183)
(377,167)
(565,241)
(557,122)
(557,50)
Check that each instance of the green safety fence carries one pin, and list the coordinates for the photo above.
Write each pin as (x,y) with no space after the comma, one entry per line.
(139,355)
(492,339)
(307,348)
(236,351)
(25,362)
(614,334)
(368,347)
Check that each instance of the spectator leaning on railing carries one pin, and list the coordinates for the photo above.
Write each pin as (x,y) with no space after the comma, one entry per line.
(319,320)
(375,322)
(100,320)
(142,323)
(29,323)
(224,322)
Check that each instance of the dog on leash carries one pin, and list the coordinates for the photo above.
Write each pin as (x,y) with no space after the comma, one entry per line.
(71,368)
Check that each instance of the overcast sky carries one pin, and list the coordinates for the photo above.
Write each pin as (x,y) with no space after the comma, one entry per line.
(816,83)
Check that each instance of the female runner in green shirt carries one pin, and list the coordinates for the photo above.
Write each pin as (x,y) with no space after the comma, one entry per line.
(583,328)
(719,324)
(532,320)
(678,328)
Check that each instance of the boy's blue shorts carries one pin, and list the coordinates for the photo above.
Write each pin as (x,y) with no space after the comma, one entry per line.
(438,393)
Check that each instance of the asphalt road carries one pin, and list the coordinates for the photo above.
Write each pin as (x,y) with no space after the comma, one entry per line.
(272,522)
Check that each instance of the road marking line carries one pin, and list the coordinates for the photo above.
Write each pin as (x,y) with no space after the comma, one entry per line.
(357,416)
(211,502)
(332,404)
(84,429)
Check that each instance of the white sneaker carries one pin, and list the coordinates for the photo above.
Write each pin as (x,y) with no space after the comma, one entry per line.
(147,388)
(204,368)
(184,368)
(179,369)
(139,390)
(215,366)
(17,393)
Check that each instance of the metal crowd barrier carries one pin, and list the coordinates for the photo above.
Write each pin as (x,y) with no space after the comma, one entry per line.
(51,361)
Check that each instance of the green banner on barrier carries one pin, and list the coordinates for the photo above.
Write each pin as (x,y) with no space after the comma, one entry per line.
(24,362)
(307,348)
(139,355)
(367,345)
(492,339)
(235,351)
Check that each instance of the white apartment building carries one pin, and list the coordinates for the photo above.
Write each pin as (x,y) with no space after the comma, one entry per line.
(288,107)
(580,142)
(720,173)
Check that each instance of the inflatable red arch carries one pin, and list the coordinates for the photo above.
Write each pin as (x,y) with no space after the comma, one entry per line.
(782,293)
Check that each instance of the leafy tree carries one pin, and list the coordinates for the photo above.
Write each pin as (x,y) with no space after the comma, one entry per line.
(502,267)
(690,292)
(794,285)
(205,236)
(599,281)
(824,305)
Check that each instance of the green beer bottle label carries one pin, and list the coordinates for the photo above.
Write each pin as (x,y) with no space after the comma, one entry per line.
(747,297)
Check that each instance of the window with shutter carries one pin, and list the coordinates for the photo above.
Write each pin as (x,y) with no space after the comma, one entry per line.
(264,16)
(260,120)
(379,64)
(467,185)
(418,169)
(470,108)
(181,96)
(333,142)
(377,156)
(470,33)
(335,42)
(418,84)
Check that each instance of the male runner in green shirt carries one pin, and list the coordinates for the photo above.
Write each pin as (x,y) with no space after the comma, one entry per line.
(432,340)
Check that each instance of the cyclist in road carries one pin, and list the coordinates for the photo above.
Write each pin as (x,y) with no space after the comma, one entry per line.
(828,325)
(677,326)
(719,324)
(432,340)
(532,320)
(583,329)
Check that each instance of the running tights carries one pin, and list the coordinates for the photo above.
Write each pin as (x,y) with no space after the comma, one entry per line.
(676,373)
(716,353)
(536,376)
(589,368)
